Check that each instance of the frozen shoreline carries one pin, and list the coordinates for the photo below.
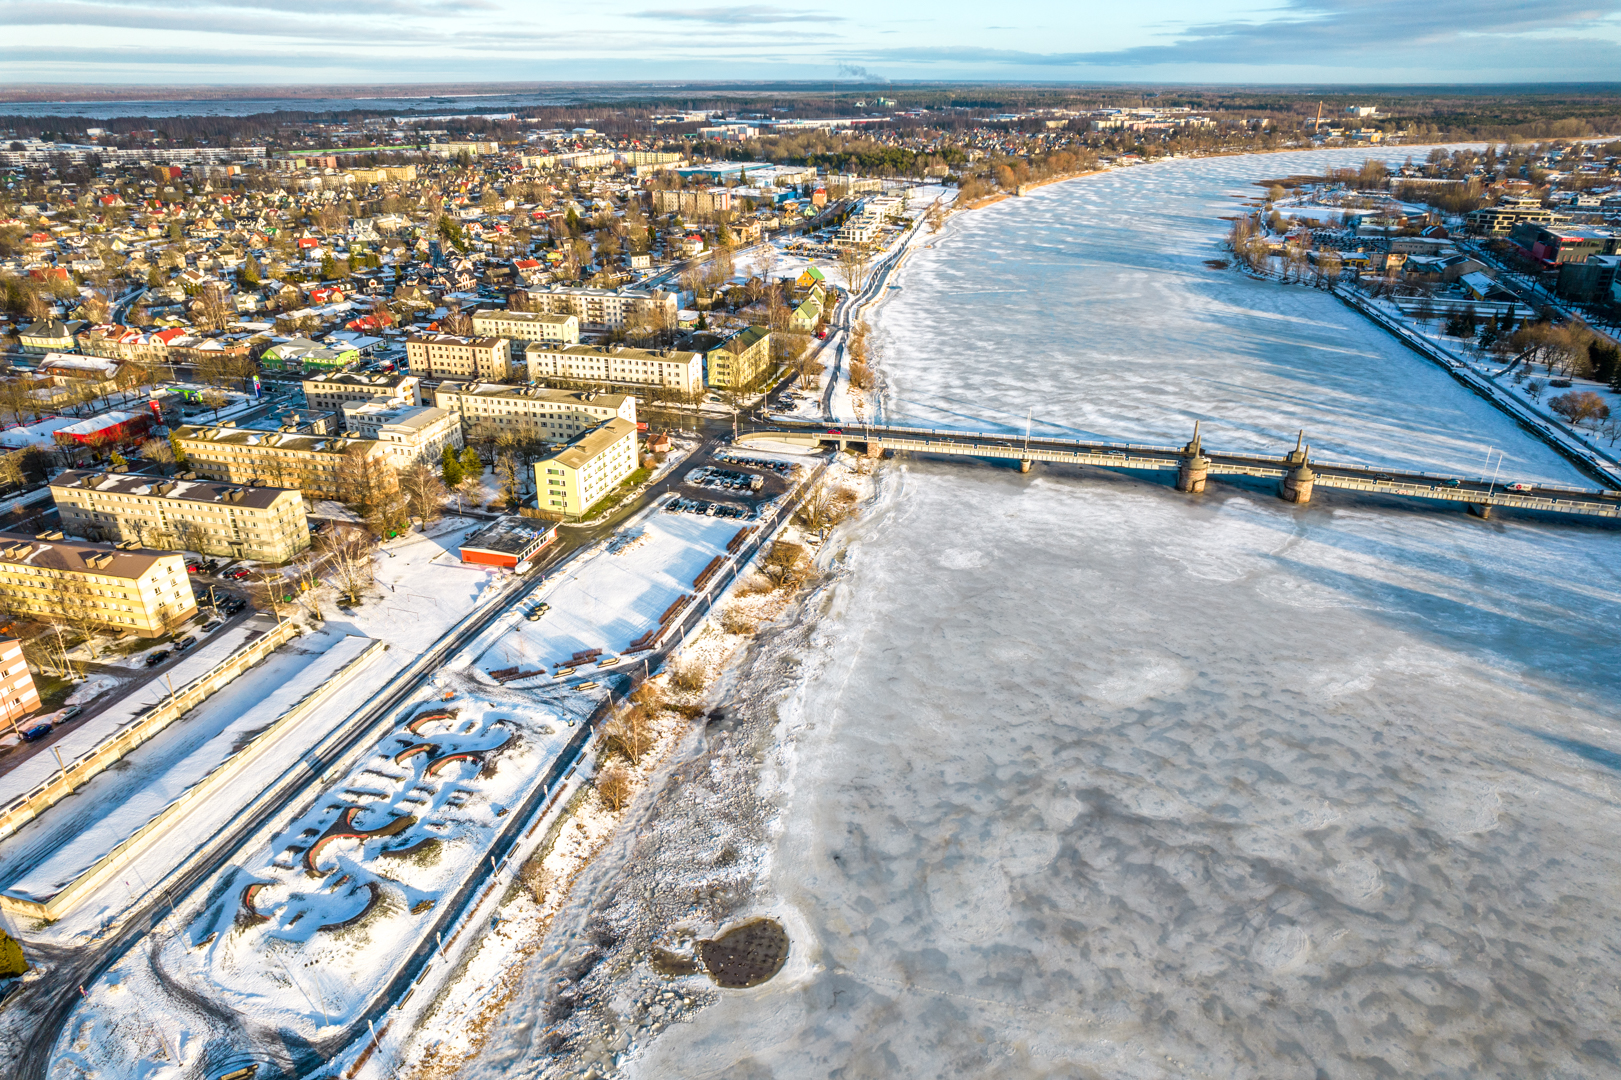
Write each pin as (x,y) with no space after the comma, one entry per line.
(958,889)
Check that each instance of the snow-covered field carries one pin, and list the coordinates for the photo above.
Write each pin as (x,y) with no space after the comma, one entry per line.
(305,929)
(1080,776)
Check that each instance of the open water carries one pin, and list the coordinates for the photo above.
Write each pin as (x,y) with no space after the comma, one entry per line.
(1085,777)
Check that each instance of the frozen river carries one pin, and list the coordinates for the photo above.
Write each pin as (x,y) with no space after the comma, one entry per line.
(1083,777)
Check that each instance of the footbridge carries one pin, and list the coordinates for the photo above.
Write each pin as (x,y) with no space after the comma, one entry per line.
(1298,475)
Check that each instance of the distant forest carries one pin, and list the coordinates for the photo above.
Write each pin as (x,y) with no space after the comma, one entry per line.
(1431,114)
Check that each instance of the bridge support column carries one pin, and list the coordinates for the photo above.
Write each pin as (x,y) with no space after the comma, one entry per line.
(1481,510)
(1299,480)
(1024,465)
(1194,470)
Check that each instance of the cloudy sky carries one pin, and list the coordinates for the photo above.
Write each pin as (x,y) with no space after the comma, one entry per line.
(396,41)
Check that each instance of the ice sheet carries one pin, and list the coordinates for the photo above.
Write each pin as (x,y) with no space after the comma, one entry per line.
(1086,777)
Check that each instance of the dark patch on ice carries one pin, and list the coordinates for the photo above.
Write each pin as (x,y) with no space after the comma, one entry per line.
(1600,1048)
(746,956)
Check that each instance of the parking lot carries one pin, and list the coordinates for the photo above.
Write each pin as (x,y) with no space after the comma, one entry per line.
(731,484)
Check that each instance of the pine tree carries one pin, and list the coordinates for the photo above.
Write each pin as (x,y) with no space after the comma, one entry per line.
(450,467)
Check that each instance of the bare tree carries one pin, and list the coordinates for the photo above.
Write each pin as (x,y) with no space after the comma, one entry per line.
(629,732)
(424,493)
(370,487)
(268,590)
(159,453)
(509,460)
(855,261)
(350,553)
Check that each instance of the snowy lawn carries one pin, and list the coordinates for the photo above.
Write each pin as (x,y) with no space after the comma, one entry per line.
(614,597)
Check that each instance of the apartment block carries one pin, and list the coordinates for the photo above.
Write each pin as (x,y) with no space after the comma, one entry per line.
(532,412)
(18,695)
(672,369)
(696,201)
(607,309)
(311,463)
(206,516)
(447,356)
(528,326)
(861,227)
(331,392)
(740,360)
(116,588)
(1500,220)
(571,479)
(408,434)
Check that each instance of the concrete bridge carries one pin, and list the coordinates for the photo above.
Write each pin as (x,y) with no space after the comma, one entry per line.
(1297,474)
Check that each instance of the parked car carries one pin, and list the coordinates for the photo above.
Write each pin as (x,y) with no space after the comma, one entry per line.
(37,732)
(154,659)
(192,568)
(68,714)
(213,624)
(185,643)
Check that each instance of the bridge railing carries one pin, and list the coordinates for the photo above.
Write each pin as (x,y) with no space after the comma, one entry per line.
(1014,441)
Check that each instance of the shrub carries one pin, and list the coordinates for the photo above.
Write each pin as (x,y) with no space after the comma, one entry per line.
(613,784)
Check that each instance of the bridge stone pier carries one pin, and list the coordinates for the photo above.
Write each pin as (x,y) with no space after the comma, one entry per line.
(1299,480)
(1194,468)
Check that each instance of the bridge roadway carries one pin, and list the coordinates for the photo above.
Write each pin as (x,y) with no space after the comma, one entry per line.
(1479,493)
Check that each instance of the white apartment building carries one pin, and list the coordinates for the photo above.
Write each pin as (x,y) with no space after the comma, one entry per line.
(534,412)
(528,326)
(672,369)
(331,392)
(608,309)
(861,227)
(407,434)
(447,356)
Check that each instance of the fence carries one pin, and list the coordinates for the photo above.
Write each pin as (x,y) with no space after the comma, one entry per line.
(30,804)
(154,830)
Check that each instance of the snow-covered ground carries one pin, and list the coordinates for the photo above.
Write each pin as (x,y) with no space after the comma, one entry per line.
(302,932)
(88,734)
(612,597)
(1080,776)
(53,850)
